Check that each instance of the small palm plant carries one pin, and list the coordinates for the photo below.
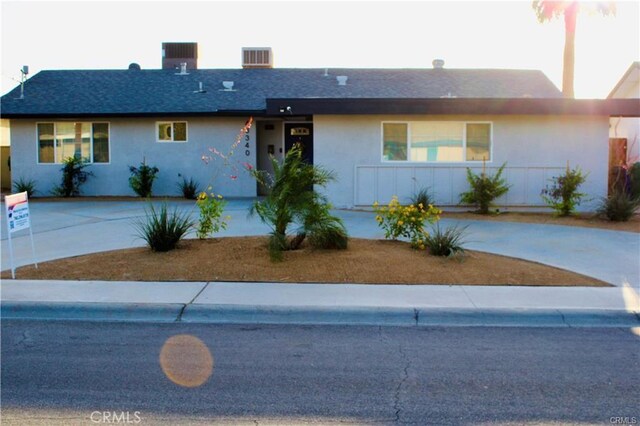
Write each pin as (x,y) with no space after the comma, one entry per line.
(292,200)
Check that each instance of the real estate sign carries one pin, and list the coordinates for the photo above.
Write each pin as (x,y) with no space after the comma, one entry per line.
(17,206)
(18,218)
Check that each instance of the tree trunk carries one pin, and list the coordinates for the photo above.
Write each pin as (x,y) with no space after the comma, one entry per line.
(570,16)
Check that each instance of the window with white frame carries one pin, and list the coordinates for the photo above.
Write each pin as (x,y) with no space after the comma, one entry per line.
(436,141)
(61,140)
(171,131)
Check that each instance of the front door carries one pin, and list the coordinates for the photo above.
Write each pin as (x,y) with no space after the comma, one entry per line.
(301,133)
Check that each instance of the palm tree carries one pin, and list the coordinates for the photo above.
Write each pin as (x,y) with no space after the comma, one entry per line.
(547,10)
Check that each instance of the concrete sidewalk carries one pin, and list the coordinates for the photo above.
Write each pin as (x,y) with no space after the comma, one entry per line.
(409,305)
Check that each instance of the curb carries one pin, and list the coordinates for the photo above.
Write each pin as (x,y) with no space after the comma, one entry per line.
(381,316)
(134,312)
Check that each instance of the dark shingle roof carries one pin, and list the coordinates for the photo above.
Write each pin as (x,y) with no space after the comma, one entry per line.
(162,91)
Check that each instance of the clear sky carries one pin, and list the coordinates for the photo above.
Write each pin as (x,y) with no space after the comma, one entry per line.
(466,34)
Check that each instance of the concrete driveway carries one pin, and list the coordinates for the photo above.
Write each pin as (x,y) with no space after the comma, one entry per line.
(72,228)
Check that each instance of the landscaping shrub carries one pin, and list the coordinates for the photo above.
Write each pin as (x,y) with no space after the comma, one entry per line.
(634,180)
(324,230)
(405,221)
(25,185)
(73,176)
(563,196)
(163,229)
(141,180)
(619,206)
(422,196)
(292,200)
(446,243)
(484,189)
(188,188)
(211,208)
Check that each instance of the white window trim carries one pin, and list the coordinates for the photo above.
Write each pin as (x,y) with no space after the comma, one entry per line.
(464,143)
(186,131)
(55,145)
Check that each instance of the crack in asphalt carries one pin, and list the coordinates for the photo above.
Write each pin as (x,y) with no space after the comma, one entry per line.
(26,340)
(397,400)
(405,376)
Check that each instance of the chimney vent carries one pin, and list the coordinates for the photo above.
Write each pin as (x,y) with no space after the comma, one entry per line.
(174,54)
(257,57)
(438,64)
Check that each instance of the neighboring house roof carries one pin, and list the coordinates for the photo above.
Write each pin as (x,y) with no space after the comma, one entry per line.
(629,84)
(156,92)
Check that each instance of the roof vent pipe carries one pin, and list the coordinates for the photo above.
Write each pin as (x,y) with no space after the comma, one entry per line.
(342,80)
(438,63)
(183,69)
(326,72)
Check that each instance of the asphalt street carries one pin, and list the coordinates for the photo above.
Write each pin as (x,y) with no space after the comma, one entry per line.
(56,373)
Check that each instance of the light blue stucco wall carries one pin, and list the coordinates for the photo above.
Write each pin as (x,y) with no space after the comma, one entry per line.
(131,140)
(535,148)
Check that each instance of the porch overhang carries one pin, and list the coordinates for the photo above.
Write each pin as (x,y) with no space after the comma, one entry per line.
(454,106)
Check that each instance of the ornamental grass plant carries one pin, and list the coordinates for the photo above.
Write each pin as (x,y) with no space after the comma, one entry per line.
(163,229)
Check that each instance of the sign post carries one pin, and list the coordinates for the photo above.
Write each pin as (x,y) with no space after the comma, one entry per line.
(18,218)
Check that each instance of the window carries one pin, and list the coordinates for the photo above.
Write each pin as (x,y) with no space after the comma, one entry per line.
(172,131)
(394,145)
(436,141)
(58,141)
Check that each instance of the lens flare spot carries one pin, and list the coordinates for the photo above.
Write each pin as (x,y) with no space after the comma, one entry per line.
(186,360)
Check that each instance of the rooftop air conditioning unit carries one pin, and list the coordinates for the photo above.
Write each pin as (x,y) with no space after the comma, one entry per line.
(257,57)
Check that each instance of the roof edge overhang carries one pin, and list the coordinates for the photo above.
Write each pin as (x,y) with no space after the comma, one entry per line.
(456,106)
(219,113)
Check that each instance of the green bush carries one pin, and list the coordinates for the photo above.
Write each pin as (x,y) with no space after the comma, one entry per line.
(141,180)
(634,180)
(446,243)
(188,188)
(484,189)
(211,208)
(563,196)
(162,229)
(422,196)
(25,185)
(324,230)
(405,221)
(292,200)
(618,207)
(73,176)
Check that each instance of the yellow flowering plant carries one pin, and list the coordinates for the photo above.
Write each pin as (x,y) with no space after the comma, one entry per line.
(406,221)
(211,220)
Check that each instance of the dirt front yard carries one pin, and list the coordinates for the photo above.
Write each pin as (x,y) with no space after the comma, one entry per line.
(247,259)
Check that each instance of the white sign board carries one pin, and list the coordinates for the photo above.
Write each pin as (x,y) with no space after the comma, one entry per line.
(17,206)
(18,218)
